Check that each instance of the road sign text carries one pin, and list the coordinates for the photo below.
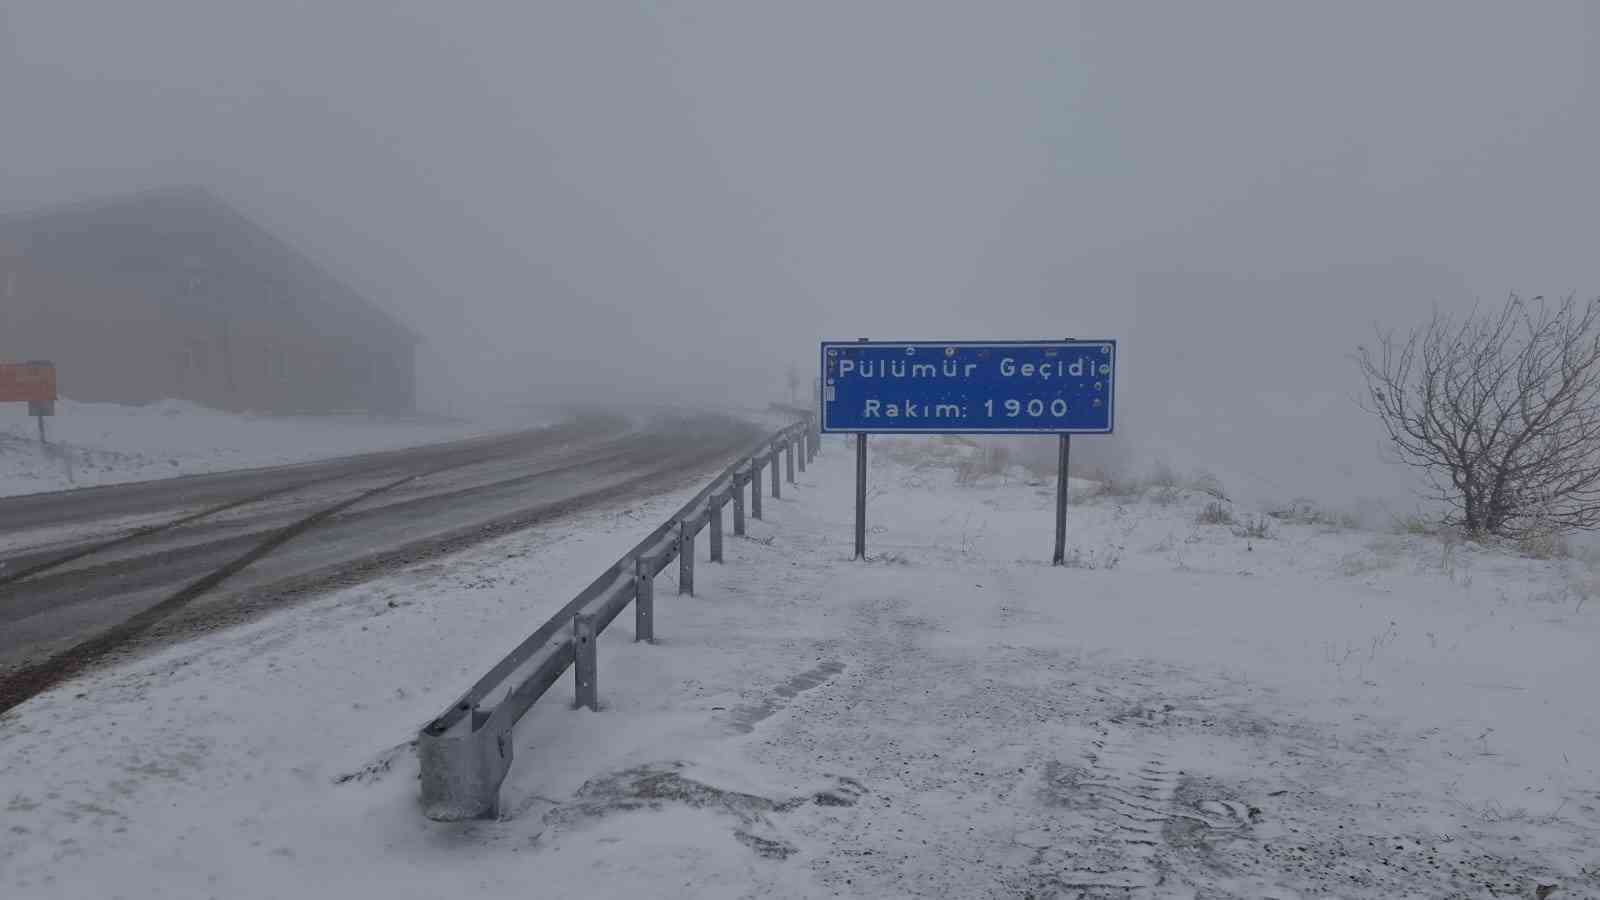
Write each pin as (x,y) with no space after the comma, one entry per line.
(1054,387)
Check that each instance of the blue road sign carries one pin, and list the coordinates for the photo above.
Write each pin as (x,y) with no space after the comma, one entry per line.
(969,387)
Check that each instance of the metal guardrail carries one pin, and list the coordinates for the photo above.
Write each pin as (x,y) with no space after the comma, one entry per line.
(467,751)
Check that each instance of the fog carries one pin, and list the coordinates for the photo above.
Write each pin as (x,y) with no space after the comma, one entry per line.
(575,201)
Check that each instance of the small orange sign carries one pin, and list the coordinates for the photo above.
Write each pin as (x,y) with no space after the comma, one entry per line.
(30,382)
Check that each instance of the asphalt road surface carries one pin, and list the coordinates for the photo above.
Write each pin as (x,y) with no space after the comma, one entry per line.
(90,573)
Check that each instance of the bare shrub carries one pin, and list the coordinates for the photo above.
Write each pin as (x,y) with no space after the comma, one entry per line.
(998,458)
(1162,485)
(988,461)
(1258,528)
(1456,566)
(1353,565)
(1208,484)
(1418,524)
(1163,476)
(1107,557)
(1543,544)
(1038,471)
(1302,511)
(1115,486)
(1166,496)
(947,451)
(1500,412)
(968,471)
(1583,589)
(1215,513)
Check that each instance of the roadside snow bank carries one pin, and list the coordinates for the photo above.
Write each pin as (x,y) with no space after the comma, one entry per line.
(105,443)
(1196,708)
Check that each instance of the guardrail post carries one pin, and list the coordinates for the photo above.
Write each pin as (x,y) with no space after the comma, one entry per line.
(685,558)
(738,504)
(715,512)
(644,601)
(802,446)
(776,493)
(788,456)
(755,487)
(585,666)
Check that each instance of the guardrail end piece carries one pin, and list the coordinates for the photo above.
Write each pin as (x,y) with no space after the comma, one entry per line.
(461,775)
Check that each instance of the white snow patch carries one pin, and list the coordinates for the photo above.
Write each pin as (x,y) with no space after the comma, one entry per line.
(106,443)
(1190,711)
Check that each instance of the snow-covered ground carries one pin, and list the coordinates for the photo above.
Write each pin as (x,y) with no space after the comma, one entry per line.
(106,443)
(1188,711)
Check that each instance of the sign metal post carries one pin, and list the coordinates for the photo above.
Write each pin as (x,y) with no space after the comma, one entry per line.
(861,496)
(1065,456)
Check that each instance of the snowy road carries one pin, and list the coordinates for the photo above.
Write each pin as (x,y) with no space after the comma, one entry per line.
(84,573)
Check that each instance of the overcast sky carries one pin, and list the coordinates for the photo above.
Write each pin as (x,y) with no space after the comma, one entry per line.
(644,197)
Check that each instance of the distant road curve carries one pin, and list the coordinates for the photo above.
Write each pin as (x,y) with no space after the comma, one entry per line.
(93,572)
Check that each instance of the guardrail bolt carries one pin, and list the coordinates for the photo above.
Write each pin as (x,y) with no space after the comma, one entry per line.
(585,666)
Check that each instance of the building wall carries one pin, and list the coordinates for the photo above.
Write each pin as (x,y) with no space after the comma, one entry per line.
(125,346)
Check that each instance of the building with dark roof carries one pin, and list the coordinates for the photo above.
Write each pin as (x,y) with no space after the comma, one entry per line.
(173,293)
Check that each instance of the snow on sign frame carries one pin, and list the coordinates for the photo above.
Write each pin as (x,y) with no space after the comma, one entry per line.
(969,387)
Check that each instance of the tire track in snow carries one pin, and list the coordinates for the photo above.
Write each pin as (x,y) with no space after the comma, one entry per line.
(1117,810)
